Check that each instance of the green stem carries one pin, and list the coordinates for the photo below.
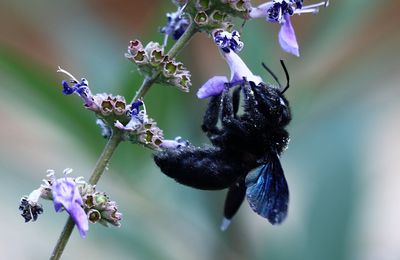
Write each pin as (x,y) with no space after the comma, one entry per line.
(105,157)
(176,48)
(116,138)
(62,241)
(101,164)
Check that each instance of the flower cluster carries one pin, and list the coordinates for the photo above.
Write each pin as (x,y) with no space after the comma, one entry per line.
(151,59)
(141,129)
(114,112)
(210,14)
(217,14)
(78,198)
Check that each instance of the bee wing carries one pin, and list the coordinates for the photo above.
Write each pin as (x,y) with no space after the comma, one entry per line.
(267,191)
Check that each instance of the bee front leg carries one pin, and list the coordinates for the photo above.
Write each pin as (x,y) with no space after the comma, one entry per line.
(236,100)
(228,117)
(211,116)
(251,104)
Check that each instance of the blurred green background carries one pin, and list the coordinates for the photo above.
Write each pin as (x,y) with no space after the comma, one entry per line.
(342,164)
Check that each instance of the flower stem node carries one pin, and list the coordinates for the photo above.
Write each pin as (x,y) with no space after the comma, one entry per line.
(78,198)
(152,59)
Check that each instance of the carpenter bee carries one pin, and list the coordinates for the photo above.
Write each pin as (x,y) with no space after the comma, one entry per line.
(245,150)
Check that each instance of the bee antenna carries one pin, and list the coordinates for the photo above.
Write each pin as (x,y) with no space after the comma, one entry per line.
(272,74)
(287,77)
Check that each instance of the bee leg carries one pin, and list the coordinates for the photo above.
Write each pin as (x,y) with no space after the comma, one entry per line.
(251,103)
(236,100)
(234,199)
(228,117)
(206,168)
(211,116)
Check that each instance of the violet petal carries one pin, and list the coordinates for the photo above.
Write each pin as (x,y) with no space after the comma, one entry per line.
(80,218)
(261,11)
(287,37)
(239,69)
(66,195)
(213,87)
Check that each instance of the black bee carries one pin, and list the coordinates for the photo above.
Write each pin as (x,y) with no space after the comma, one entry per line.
(244,156)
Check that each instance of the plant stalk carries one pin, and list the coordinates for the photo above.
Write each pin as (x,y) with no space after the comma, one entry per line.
(116,138)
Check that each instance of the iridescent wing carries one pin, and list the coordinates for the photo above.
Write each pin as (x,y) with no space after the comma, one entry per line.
(267,191)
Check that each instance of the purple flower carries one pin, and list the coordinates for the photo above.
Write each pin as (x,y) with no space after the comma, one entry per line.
(176,25)
(279,11)
(66,196)
(229,44)
(79,87)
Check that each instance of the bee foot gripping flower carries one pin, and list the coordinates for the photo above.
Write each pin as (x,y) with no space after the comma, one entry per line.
(229,44)
(174,144)
(280,11)
(80,199)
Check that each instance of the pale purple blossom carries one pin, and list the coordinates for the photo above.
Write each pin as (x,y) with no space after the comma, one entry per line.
(229,44)
(66,196)
(280,11)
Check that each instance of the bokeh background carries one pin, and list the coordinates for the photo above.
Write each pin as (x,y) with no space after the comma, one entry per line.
(342,164)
